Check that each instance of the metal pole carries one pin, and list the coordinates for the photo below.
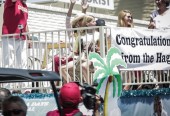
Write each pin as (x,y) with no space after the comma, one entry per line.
(102,41)
(56,97)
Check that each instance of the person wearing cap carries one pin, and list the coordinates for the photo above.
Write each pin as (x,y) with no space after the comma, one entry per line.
(93,37)
(69,98)
(100,22)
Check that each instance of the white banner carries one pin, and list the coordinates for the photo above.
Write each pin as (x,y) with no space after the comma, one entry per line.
(105,4)
(143,49)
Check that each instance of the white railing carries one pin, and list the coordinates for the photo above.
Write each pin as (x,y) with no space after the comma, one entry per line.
(148,79)
(48,44)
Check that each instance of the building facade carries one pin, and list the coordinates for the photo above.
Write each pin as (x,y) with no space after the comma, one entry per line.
(51,15)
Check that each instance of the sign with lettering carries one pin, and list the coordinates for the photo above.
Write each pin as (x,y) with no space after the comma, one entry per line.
(105,4)
(143,49)
(39,107)
(39,104)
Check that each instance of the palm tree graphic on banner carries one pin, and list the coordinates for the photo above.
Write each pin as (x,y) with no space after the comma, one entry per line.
(108,77)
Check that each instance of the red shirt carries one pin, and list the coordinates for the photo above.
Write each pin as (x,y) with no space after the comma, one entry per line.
(67,112)
(57,62)
(15,13)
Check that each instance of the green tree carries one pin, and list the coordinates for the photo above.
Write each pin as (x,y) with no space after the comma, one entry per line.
(107,67)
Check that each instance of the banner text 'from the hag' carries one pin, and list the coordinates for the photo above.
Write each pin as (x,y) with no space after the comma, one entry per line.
(143,48)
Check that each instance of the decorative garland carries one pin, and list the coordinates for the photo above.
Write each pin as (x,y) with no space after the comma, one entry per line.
(36,95)
(130,93)
(146,93)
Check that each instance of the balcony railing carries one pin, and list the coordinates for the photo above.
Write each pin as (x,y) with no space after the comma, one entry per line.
(47,46)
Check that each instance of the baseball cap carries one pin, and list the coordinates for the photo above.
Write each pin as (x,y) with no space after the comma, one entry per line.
(100,22)
(70,92)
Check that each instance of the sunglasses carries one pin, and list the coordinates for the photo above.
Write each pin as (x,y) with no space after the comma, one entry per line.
(14,111)
(129,17)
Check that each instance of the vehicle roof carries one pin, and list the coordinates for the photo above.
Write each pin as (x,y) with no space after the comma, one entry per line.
(24,75)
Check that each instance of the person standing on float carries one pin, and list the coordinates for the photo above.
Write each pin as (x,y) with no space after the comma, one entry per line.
(14,22)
